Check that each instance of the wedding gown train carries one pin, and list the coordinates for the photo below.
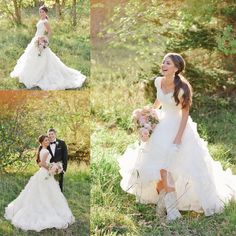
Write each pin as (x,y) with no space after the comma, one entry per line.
(46,70)
(41,204)
(200,182)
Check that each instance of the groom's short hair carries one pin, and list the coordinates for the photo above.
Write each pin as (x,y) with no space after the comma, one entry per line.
(52,130)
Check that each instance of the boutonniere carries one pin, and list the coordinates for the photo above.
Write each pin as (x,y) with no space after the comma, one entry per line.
(57,142)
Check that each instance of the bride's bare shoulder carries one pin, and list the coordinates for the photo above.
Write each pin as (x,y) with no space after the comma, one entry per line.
(157,80)
(44,150)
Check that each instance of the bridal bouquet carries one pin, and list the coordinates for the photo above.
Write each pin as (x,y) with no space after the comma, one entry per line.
(41,43)
(145,121)
(54,169)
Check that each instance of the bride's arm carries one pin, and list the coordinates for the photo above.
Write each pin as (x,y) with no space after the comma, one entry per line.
(184,119)
(156,104)
(43,163)
(48,29)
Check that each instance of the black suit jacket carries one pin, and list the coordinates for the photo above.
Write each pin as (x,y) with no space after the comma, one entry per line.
(61,153)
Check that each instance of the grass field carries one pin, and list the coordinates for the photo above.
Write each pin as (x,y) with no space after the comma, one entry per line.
(76,191)
(117,82)
(70,44)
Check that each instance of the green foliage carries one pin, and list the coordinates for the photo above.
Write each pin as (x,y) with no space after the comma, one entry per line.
(206,38)
(12,9)
(28,117)
(8,9)
(198,36)
(15,140)
(227,41)
(229,10)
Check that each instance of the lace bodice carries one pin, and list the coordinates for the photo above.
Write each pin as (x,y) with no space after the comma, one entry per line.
(167,100)
(42,153)
(40,28)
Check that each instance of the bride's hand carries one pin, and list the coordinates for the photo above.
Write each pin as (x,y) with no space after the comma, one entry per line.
(42,38)
(175,147)
(45,38)
(177,141)
(176,144)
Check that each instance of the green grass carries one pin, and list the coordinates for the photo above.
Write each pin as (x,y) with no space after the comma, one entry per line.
(70,44)
(116,90)
(76,191)
(114,212)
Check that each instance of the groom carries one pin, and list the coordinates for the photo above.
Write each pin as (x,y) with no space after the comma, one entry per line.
(58,151)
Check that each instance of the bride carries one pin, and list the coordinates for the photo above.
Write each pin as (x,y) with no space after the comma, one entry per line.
(41,205)
(40,67)
(174,168)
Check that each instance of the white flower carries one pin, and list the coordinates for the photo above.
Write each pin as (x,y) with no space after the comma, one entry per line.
(145,120)
(148,126)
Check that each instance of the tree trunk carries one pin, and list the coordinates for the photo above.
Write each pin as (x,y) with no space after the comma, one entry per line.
(17,10)
(63,3)
(74,13)
(58,9)
(36,3)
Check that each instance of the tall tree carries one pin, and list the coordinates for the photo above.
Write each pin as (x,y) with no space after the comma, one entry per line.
(12,10)
(36,3)
(153,27)
(63,3)
(74,13)
(17,9)
(58,9)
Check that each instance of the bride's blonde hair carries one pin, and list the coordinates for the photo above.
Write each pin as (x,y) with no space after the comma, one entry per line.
(180,82)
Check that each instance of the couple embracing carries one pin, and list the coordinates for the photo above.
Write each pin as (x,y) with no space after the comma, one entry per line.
(41,204)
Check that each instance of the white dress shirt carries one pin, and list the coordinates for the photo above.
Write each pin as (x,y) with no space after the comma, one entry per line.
(53,147)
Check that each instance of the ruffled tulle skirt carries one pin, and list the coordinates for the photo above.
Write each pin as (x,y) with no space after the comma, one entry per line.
(41,205)
(46,71)
(200,182)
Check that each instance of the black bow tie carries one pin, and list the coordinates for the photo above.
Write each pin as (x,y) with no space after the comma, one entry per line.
(53,142)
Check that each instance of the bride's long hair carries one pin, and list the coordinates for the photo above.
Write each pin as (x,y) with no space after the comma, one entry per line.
(180,82)
(40,139)
(45,9)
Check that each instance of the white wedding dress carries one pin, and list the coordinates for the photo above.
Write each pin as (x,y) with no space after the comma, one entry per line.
(200,182)
(46,71)
(41,205)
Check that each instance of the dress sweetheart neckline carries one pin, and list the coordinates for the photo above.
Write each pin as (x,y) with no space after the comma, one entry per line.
(166,93)
(171,92)
(42,20)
